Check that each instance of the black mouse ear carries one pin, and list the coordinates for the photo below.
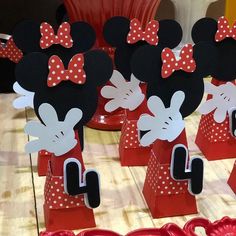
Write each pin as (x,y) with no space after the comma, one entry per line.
(98,67)
(32,71)
(26,36)
(170,33)
(206,58)
(115,31)
(61,14)
(83,36)
(204,30)
(146,63)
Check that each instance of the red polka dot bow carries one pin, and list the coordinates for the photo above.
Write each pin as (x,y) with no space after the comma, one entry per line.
(49,38)
(224,30)
(149,35)
(10,51)
(74,73)
(171,64)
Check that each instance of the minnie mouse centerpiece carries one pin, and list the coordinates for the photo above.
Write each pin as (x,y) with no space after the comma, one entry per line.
(64,79)
(214,137)
(127,92)
(42,38)
(10,55)
(174,90)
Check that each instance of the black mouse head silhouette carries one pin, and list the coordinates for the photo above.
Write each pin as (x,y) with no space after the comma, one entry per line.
(65,41)
(224,37)
(126,36)
(165,73)
(10,55)
(65,87)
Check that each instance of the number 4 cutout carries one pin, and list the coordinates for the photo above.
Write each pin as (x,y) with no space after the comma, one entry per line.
(182,169)
(232,120)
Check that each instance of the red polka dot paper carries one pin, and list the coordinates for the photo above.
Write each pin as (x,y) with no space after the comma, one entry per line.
(149,35)
(171,64)
(213,131)
(49,38)
(160,180)
(57,72)
(55,196)
(224,30)
(10,51)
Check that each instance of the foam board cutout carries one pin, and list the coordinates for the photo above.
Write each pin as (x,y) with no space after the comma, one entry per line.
(223,99)
(124,94)
(26,98)
(166,123)
(54,136)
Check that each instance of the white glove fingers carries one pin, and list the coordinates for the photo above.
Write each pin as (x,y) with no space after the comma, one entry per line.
(109,92)
(177,101)
(210,88)
(112,105)
(35,129)
(207,107)
(73,116)
(220,114)
(117,79)
(148,138)
(21,102)
(134,81)
(155,105)
(48,114)
(33,146)
(145,122)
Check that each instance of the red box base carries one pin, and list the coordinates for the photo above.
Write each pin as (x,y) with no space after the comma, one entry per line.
(134,156)
(232,179)
(70,219)
(169,205)
(217,150)
(42,164)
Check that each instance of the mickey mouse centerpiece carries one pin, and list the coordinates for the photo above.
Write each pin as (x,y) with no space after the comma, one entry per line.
(64,79)
(213,137)
(10,55)
(174,90)
(92,12)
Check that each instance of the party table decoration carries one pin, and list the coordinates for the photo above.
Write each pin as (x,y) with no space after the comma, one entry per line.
(64,78)
(97,13)
(174,91)
(213,137)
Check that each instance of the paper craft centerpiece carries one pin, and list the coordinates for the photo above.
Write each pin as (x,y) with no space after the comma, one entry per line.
(174,90)
(97,16)
(65,80)
(214,138)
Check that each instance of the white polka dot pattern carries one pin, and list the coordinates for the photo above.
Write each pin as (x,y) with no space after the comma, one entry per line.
(49,38)
(224,30)
(149,35)
(160,181)
(213,131)
(10,51)
(171,64)
(129,135)
(54,194)
(74,73)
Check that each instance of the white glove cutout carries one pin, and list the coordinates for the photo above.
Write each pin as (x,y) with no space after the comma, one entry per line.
(26,98)
(166,124)
(124,94)
(55,136)
(224,98)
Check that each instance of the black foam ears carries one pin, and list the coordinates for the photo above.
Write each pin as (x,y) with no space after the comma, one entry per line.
(26,36)
(146,63)
(204,30)
(31,70)
(181,171)
(98,67)
(83,36)
(170,33)
(115,30)
(61,14)
(206,57)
